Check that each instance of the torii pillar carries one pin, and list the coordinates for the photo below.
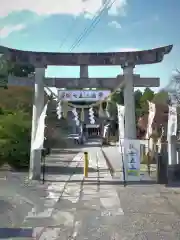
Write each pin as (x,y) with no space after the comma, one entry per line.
(129,103)
(38,104)
(84,74)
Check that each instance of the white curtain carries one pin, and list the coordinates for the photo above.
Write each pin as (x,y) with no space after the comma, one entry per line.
(39,139)
(152,112)
(172,121)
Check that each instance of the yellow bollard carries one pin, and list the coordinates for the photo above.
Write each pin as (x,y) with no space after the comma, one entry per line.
(86,164)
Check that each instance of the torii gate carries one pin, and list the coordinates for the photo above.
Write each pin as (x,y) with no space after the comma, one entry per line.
(127,60)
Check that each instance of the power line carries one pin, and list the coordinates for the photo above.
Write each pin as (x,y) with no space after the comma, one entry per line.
(90,27)
(71,28)
(74,25)
(95,21)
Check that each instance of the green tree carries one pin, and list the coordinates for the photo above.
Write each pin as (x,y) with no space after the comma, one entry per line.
(18,70)
(16,98)
(147,95)
(161,97)
(15,132)
(118,97)
(4,70)
(21,70)
(137,97)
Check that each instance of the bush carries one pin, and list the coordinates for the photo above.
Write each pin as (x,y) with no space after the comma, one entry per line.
(15,139)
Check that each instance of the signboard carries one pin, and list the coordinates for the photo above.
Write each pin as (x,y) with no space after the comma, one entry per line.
(132,159)
(92,126)
(83,95)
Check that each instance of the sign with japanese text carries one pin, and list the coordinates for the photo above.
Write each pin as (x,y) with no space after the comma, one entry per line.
(83,95)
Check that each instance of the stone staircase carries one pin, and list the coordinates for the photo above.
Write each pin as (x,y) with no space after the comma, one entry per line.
(57,129)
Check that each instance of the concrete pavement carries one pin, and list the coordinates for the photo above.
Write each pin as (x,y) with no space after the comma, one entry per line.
(115,161)
(81,202)
(18,196)
(78,208)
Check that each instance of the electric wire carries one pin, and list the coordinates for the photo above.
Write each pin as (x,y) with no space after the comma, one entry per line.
(69,32)
(96,19)
(73,26)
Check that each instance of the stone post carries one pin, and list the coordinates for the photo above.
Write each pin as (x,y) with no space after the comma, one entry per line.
(84,74)
(35,155)
(129,103)
(172,158)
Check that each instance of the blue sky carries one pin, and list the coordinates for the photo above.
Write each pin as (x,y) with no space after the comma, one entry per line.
(54,25)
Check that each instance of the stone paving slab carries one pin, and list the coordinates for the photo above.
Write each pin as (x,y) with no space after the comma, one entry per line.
(20,197)
(79,204)
(83,210)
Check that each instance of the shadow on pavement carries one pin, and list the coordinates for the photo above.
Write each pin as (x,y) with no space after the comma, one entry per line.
(101,182)
(64,151)
(7,233)
(91,145)
(173,185)
(66,170)
(56,160)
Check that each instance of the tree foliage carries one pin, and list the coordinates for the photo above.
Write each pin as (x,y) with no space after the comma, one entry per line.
(161,97)
(141,100)
(21,70)
(118,97)
(16,98)
(147,95)
(137,97)
(15,139)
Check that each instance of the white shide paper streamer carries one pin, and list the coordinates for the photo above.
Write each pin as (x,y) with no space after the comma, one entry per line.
(39,138)
(91,116)
(59,110)
(172,122)
(74,111)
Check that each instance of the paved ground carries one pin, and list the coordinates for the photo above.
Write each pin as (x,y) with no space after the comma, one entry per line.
(74,208)
(18,196)
(115,160)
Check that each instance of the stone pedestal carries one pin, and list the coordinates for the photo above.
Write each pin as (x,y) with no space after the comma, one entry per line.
(162,165)
(172,158)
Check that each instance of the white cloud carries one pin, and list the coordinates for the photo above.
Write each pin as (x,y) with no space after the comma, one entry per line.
(5,31)
(118,6)
(114,24)
(73,7)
